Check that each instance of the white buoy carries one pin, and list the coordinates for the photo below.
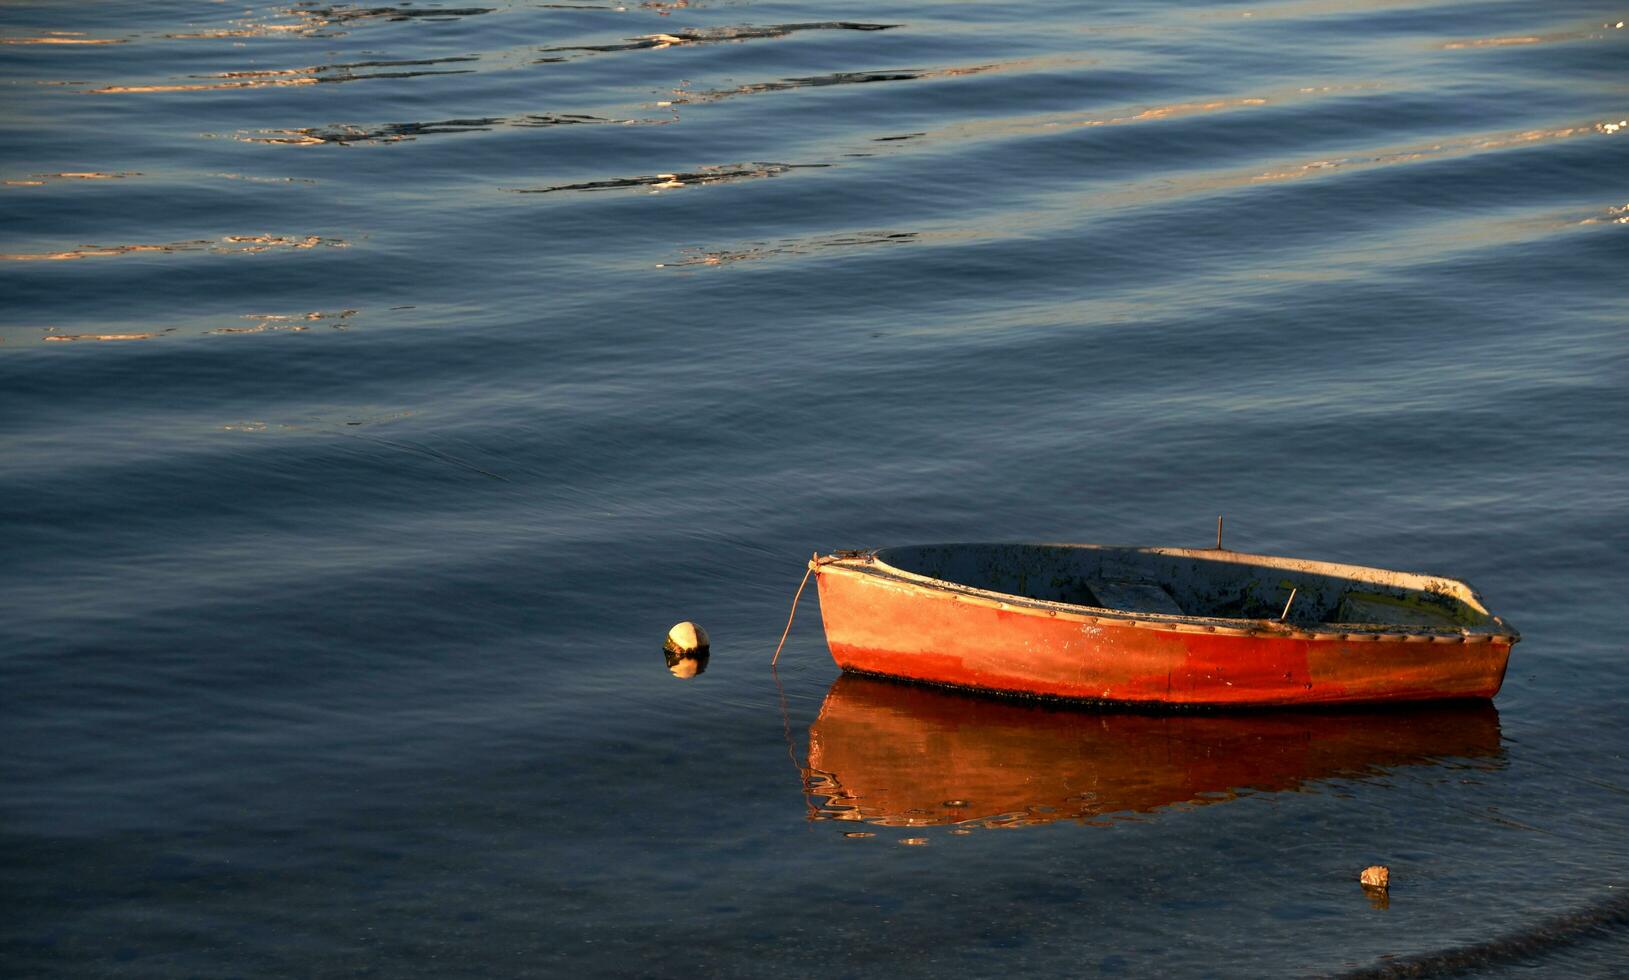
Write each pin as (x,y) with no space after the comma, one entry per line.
(687,638)
(686,649)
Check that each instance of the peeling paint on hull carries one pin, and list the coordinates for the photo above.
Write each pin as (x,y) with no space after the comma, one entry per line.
(883,620)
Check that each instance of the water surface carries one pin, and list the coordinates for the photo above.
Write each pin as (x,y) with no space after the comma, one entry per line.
(379,383)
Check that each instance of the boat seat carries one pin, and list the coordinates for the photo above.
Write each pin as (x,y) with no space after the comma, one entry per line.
(1138,597)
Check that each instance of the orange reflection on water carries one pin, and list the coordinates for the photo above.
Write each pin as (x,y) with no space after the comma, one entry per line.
(40,180)
(905,756)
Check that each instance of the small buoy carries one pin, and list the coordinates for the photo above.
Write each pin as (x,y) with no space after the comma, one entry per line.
(1375,876)
(686,649)
(687,638)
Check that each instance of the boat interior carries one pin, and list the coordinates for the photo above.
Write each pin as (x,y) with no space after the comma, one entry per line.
(1207,583)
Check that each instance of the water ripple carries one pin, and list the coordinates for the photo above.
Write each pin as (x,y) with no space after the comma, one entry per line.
(1526,39)
(716,174)
(686,96)
(717,35)
(229,245)
(284,77)
(758,251)
(323,22)
(40,180)
(406,131)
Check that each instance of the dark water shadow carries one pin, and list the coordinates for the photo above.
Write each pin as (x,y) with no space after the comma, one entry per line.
(902,755)
(340,13)
(1531,946)
(717,35)
(401,132)
(718,174)
(685,96)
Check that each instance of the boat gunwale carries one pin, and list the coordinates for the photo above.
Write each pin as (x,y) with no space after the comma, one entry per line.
(868,563)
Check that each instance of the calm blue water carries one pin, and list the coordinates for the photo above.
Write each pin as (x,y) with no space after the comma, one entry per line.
(379,384)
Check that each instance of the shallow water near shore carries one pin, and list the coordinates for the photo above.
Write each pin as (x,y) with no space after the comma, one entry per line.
(378,384)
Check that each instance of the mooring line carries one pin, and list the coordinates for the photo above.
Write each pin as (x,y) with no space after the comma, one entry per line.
(791,748)
(786,632)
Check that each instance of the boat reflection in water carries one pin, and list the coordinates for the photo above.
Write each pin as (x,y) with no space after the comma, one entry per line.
(900,755)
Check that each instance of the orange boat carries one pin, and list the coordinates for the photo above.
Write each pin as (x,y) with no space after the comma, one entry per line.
(899,755)
(1158,626)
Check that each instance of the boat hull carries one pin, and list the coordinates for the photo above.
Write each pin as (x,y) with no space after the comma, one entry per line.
(877,623)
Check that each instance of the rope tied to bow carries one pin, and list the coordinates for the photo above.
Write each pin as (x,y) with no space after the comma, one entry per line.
(815,561)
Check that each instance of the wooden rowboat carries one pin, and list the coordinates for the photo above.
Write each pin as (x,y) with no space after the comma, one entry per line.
(1158,626)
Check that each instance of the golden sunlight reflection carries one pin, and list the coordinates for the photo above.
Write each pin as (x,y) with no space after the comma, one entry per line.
(215,86)
(1525,39)
(1057,122)
(898,755)
(1170,188)
(229,245)
(1473,144)
(62,38)
(290,322)
(1302,9)
(40,180)
(68,337)
(249,323)
(1042,124)
(258,179)
(311,20)
(1618,215)
(283,77)
(90,175)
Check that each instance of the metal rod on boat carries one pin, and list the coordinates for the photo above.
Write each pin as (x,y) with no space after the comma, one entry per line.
(1287,602)
(1218,532)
